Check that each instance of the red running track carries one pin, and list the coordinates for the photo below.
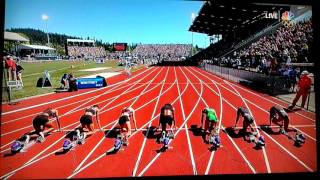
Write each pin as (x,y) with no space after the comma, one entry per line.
(189,89)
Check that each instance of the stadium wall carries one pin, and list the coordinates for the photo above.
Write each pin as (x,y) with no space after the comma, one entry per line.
(272,85)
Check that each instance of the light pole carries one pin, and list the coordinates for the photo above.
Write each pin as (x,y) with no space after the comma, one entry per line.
(45,18)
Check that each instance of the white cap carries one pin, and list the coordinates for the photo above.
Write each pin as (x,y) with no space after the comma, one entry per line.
(304,72)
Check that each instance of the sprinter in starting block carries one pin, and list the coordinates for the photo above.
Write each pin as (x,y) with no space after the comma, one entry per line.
(208,124)
(279,115)
(167,117)
(248,121)
(127,114)
(42,125)
(86,129)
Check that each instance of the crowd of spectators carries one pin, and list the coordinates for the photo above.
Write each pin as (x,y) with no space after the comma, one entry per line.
(153,53)
(86,52)
(273,54)
(163,52)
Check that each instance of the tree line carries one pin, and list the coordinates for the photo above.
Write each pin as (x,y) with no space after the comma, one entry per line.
(58,41)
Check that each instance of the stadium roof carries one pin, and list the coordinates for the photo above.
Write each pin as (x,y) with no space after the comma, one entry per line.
(80,40)
(10,36)
(27,46)
(226,16)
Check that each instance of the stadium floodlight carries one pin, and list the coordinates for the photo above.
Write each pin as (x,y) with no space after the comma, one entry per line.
(45,18)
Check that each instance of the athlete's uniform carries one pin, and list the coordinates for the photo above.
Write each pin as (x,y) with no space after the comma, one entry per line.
(247,118)
(126,114)
(278,114)
(86,119)
(210,118)
(43,120)
(166,116)
(124,121)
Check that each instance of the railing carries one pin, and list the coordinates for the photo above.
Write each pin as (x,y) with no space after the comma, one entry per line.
(273,85)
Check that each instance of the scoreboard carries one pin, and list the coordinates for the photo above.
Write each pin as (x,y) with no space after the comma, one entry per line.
(119,46)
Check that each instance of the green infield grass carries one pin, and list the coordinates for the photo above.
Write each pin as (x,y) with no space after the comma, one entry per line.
(35,70)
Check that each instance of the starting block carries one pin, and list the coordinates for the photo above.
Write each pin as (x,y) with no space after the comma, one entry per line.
(215,141)
(67,145)
(120,140)
(299,139)
(164,139)
(260,142)
(16,147)
(117,144)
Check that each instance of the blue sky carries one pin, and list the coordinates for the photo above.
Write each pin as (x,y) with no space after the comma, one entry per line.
(131,21)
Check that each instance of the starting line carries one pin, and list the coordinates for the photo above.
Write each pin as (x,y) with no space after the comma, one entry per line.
(274,126)
(115,129)
(145,129)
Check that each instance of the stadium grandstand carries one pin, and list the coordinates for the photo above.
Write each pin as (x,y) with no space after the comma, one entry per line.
(154,53)
(272,41)
(163,52)
(78,48)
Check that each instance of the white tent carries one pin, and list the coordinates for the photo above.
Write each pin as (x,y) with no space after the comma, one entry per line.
(10,36)
(31,47)
(39,52)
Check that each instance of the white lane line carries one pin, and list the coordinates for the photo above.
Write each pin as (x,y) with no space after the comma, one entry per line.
(235,145)
(261,108)
(185,121)
(102,155)
(292,155)
(263,148)
(115,88)
(241,153)
(60,107)
(258,96)
(288,103)
(267,112)
(101,140)
(77,108)
(69,97)
(30,115)
(309,136)
(147,133)
(263,97)
(287,151)
(188,138)
(34,161)
(114,122)
(116,97)
(77,122)
(124,92)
